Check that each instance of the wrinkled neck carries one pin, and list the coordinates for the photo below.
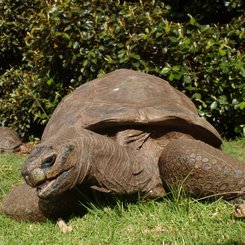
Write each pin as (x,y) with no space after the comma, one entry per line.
(84,160)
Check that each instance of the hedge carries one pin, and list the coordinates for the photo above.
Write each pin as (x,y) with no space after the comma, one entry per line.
(62,44)
(207,11)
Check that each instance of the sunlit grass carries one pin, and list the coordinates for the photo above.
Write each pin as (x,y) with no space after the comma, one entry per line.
(179,220)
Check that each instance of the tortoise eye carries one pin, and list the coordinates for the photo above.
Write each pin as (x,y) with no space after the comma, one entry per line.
(49,161)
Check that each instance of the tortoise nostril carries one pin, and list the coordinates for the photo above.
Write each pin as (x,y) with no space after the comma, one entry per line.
(49,161)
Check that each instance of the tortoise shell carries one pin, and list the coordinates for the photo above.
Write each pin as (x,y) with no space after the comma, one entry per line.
(9,140)
(130,98)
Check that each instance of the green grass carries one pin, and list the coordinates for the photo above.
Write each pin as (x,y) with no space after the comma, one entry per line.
(178,221)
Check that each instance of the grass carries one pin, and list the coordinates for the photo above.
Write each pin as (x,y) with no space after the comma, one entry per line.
(177,221)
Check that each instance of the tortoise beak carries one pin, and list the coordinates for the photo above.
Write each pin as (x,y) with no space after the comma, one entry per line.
(35,177)
(56,186)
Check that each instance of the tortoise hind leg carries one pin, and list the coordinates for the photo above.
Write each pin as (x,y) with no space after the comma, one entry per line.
(202,169)
(22,203)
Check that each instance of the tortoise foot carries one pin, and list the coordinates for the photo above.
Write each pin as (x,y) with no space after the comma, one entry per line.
(22,203)
(239,211)
(203,170)
(155,193)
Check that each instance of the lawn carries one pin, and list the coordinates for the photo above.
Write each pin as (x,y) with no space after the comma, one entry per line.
(178,221)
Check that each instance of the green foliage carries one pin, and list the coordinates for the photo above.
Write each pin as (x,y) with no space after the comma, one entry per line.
(207,11)
(66,43)
(22,102)
(15,19)
(211,72)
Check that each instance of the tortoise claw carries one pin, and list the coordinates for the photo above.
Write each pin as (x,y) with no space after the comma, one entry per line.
(239,211)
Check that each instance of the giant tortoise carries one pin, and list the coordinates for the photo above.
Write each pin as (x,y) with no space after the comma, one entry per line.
(126,134)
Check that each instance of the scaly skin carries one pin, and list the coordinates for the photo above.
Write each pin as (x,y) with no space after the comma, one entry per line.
(85,157)
(120,170)
(202,169)
(22,203)
(102,164)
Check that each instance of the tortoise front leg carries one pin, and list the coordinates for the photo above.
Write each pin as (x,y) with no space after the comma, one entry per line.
(23,204)
(202,169)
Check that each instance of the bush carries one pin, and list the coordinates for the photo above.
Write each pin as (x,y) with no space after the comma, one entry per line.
(207,11)
(22,106)
(16,17)
(70,42)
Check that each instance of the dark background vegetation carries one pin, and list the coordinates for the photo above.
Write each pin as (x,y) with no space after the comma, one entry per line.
(47,48)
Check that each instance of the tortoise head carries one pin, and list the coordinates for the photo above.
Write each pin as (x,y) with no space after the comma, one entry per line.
(52,168)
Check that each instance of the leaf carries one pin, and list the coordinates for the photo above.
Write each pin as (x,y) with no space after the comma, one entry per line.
(196,96)
(63,34)
(85,62)
(222,99)
(192,20)
(176,68)
(187,79)
(135,56)
(173,39)
(123,60)
(165,70)
(213,106)
(242,105)
(121,53)
(171,77)
(167,27)
(136,64)
(242,72)
(50,81)
(222,52)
